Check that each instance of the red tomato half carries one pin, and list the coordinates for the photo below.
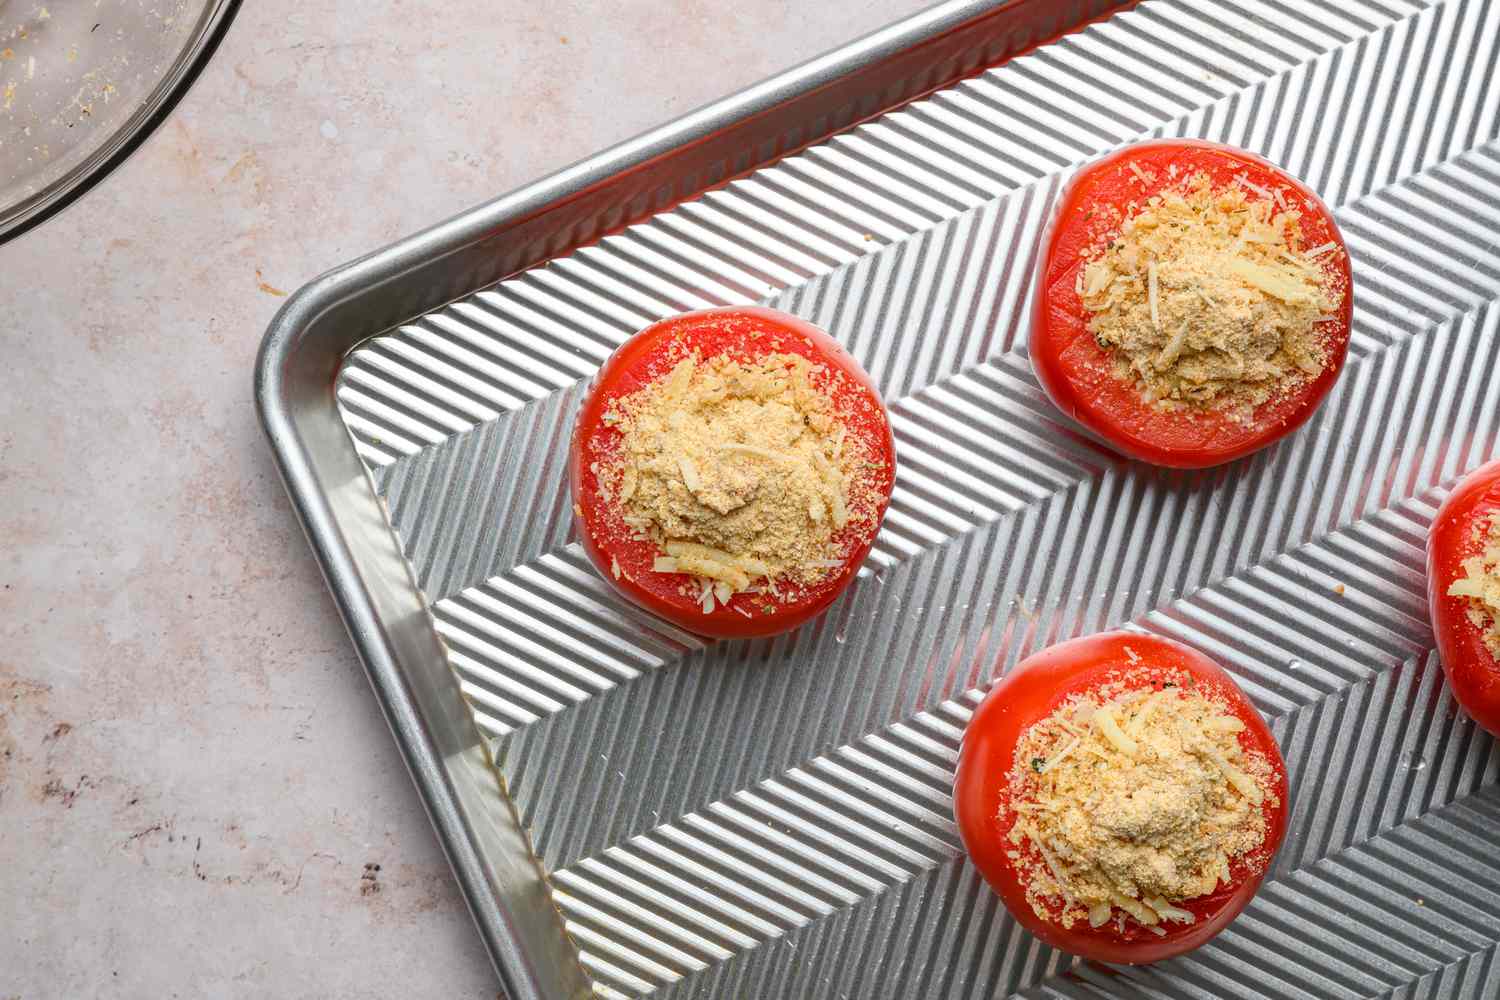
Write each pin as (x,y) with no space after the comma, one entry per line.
(1033,691)
(1472,672)
(743,332)
(1078,374)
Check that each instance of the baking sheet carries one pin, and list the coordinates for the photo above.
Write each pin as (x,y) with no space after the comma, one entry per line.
(771,818)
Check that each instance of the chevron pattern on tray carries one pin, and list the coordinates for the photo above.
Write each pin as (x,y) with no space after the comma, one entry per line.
(772,818)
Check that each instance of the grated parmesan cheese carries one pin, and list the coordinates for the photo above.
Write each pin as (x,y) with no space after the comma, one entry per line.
(689,474)
(1244,181)
(1153,295)
(1167,911)
(1202,298)
(1173,350)
(1290,288)
(1105,720)
(750,449)
(1143,715)
(1132,799)
(1480,584)
(1060,756)
(743,473)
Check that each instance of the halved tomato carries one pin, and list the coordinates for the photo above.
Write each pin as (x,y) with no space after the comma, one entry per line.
(625,560)
(1033,691)
(1457,534)
(1078,374)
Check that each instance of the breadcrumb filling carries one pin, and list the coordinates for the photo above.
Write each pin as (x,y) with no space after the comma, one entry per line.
(1208,298)
(1480,584)
(743,474)
(1131,799)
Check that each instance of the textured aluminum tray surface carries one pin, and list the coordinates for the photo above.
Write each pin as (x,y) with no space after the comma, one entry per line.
(772,818)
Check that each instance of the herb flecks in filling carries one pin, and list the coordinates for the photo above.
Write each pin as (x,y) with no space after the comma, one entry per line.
(1132,799)
(1208,298)
(743,473)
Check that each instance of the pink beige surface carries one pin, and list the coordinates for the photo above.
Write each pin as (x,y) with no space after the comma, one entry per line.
(198,796)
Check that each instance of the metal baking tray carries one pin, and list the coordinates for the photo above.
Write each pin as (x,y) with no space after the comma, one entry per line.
(771,818)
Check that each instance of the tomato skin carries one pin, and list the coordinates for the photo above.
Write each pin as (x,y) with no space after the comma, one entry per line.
(1075,371)
(1472,672)
(1030,693)
(745,331)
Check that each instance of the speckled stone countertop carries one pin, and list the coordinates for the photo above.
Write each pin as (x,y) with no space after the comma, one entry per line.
(198,796)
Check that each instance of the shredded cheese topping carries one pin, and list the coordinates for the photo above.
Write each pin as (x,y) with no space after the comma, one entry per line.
(743,474)
(1480,584)
(1132,799)
(1205,296)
